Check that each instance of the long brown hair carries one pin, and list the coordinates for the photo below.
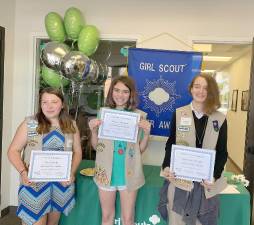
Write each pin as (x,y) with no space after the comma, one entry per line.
(212,102)
(65,122)
(128,82)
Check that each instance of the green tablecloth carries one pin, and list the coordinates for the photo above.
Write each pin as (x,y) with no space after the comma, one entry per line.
(234,208)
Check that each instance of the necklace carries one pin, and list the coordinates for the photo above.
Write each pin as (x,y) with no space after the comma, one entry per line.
(200,139)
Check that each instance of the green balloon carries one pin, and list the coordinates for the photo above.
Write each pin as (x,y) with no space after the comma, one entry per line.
(88,40)
(54,27)
(52,78)
(73,22)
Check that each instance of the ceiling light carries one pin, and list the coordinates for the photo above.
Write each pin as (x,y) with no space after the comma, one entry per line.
(208,71)
(217,58)
(202,47)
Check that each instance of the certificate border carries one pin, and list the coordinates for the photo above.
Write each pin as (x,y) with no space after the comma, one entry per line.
(209,152)
(68,154)
(102,134)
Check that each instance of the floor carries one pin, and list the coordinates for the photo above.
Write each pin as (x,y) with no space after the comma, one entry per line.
(11,219)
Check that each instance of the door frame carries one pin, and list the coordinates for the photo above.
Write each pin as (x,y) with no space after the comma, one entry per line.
(2,52)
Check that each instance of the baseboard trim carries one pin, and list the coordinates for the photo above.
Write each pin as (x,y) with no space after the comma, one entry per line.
(8,210)
(237,167)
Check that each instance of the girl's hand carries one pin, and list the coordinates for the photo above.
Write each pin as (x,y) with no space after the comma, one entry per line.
(24,179)
(69,182)
(145,125)
(168,173)
(207,184)
(94,124)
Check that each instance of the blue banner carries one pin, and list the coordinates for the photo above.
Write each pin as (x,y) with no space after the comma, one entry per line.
(162,79)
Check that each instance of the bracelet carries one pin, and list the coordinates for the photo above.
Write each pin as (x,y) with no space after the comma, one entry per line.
(21,171)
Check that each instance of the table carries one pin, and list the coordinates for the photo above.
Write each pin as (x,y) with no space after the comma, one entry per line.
(234,209)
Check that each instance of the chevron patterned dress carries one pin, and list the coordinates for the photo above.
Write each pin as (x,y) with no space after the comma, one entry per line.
(44,197)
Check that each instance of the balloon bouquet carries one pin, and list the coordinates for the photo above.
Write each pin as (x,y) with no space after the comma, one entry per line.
(66,64)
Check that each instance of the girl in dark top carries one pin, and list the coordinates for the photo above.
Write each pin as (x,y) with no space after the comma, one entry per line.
(207,128)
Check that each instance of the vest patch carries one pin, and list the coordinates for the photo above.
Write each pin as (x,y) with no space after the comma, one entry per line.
(131,152)
(216,125)
(32,124)
(130,173)
(32,142)
(185,121)
(32,133)
(101,175)
(69,143)
(100,147)
(183,128)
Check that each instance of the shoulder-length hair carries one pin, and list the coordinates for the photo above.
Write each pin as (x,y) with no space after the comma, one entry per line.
(212,102)
(128,82)
(65,121)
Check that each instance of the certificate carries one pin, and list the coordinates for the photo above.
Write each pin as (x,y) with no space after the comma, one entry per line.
(194,164)
(119,125)
(48,166)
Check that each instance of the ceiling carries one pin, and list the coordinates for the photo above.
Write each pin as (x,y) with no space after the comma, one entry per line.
(225,50)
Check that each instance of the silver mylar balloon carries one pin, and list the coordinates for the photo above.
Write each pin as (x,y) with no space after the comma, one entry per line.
(75,66)
(103,72)
(93,74)
(53,54)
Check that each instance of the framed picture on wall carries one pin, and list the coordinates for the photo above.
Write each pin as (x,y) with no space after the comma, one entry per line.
(245,101)
(234,100)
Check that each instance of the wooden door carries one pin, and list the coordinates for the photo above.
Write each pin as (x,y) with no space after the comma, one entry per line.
(248,164)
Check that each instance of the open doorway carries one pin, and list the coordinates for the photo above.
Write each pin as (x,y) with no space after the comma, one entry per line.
(230,64)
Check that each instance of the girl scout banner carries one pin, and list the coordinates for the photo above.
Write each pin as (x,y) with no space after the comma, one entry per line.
(162,78)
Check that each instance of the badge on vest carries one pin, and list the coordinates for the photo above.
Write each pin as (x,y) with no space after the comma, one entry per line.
(32,133)
(183,128)
(216,125)
(32,124)
(131,152)
(32,142)
(69,143)
(100,147)
(129,173)
(185,121)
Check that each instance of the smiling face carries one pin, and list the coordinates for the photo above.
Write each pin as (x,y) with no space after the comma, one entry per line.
(199,90)
(121,95)
(51,106)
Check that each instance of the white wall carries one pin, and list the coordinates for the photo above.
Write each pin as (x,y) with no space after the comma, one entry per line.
(7,19)
(220,20)
(239,77)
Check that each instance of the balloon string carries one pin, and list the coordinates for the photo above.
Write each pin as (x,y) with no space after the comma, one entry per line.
(73,44)
(77,102)
(71,101)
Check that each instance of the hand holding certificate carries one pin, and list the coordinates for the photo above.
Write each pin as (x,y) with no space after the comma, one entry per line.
(193,164)
(48,166)
(119,125)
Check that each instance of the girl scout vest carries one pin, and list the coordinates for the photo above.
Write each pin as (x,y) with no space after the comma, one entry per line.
(34,140)
(186,135)
(133,162)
